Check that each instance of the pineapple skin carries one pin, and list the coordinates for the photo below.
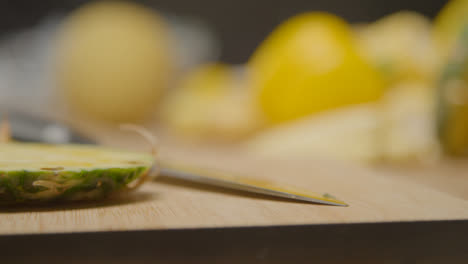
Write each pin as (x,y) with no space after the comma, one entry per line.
(33,186)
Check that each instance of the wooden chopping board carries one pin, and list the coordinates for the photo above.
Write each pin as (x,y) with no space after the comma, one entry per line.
(373,196)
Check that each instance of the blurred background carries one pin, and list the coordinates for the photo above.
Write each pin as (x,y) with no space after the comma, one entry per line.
(366,82)
(239,25)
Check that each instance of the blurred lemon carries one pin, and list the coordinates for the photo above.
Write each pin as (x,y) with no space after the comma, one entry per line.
(398,129)
(211,102)
(113,60)
(449,23)
(401,46)
(309,64)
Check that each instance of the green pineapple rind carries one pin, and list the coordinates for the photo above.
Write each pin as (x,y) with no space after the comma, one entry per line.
(24,186)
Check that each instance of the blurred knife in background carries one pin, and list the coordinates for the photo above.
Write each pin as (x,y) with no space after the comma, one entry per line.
(28,128)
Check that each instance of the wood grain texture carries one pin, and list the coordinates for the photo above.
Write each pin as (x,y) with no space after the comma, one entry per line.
(374,196)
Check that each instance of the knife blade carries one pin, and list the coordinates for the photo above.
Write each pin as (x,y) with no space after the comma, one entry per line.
(243,183)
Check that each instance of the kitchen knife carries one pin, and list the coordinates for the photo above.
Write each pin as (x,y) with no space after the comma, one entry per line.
(27,128)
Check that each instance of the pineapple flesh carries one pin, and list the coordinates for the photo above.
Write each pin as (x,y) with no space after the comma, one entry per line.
(38,172)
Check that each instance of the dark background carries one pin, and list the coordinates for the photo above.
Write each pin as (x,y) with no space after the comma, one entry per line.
(240,24)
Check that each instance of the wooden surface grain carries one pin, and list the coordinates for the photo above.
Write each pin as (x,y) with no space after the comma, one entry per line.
(374,195)
(436,192)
